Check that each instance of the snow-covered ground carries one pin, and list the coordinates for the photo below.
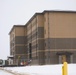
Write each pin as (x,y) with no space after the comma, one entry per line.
(43,70)
(4,73)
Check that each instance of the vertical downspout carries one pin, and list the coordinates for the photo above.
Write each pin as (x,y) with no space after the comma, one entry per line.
(15,50)
(48,41)
(31,41)
(36,37)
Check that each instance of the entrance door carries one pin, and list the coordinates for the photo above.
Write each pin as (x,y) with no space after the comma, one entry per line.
(65,58)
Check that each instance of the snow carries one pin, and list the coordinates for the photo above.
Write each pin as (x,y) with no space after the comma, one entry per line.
(4,73)
(43,70)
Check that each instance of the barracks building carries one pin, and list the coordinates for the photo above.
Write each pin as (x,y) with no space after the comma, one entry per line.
(47,38)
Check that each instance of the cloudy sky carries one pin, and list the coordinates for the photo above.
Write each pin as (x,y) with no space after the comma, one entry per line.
(13,12)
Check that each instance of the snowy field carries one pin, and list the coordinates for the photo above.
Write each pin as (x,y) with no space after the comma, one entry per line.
(43,70)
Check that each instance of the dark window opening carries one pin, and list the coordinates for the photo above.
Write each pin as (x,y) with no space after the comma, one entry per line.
(30,51)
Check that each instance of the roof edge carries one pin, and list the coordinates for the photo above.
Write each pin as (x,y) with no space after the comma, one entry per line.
(62,11)
(66,11)
(33,17)
(15,26)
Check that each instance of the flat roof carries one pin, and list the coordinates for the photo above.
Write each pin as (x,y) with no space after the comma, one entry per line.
(16,26)
(62,11)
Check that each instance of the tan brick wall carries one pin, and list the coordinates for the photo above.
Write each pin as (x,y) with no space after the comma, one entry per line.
(19,31)
(25,31)
(40,21)
(61,25)
(46,25)
(12,35)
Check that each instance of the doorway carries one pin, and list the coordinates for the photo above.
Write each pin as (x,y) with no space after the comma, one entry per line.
(65,57)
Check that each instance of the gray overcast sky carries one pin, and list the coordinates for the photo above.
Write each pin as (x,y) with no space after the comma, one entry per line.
(14,12)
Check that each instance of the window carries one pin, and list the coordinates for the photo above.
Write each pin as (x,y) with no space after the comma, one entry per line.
(45,45)
(45,31)
(30,51)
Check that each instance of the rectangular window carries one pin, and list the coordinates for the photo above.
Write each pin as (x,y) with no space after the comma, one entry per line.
(30,51)
(45,31)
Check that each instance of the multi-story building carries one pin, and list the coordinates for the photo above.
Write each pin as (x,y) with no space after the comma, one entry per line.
(18,43)
(47,38)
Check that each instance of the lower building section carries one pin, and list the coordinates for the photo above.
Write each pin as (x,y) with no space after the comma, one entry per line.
(38,59)
(55,57)
(47,57)
(58,57)
(18,59)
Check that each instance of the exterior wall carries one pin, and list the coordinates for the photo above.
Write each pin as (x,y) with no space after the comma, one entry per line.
(35,34)
(46,38)
(12,42)
(62,25)
(40,38)
(74,56)
(19,31)
(32,39)
(60,32)
(18,49)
